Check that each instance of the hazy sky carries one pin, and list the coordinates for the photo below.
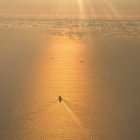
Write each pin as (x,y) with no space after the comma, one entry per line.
(95,8)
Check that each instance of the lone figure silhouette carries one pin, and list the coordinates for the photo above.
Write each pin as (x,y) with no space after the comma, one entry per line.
(60,99)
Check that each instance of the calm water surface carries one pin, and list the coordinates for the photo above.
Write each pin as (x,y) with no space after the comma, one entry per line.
(93,65)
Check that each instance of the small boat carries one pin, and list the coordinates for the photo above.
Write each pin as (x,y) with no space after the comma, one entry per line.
(60,99)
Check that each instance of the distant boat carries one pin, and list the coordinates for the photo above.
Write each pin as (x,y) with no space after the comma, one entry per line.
(60,99)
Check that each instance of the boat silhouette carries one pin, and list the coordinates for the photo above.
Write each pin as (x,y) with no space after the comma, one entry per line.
(60,99)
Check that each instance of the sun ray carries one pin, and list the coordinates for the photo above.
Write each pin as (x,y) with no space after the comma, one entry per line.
(112,10)
(81,8)
(91,9)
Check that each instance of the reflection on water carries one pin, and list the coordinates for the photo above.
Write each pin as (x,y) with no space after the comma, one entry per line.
(61,73)
(97,76)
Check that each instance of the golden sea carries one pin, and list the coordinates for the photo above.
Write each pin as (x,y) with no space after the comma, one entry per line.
(94,65)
